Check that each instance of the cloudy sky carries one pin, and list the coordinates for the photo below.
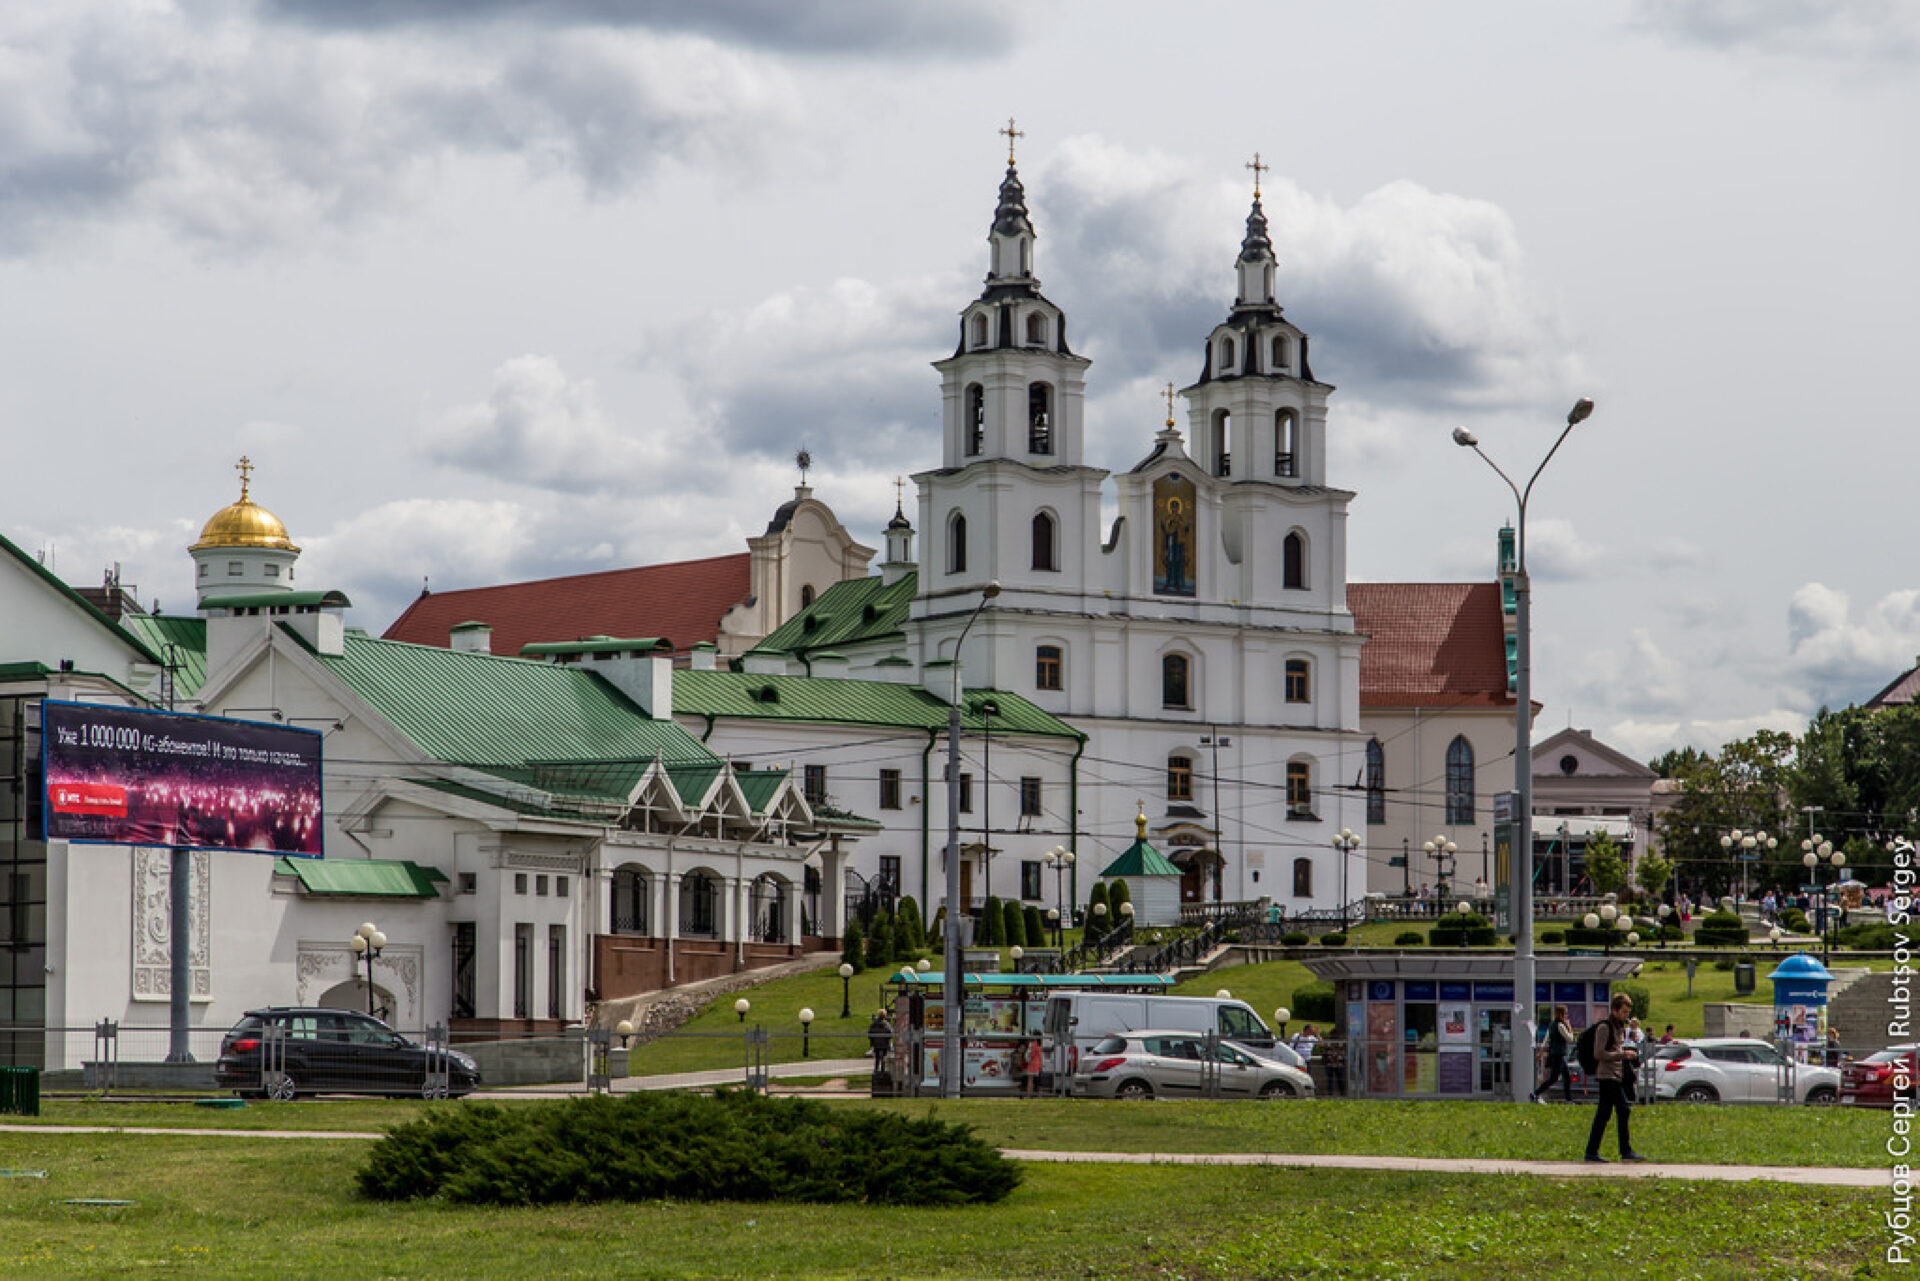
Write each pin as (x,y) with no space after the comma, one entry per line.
(495,290)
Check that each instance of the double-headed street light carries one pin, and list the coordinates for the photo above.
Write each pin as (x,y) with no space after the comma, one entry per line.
(1523,967)
(1059,858)
(950,1001)
(1748,847)
(1346,843)
(1816,852)
(367,942)
(1441,850)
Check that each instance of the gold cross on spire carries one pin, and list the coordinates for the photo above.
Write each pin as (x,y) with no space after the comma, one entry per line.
(245,468)
(1258,169)
(1169,404)
(1011,133)
(899,493)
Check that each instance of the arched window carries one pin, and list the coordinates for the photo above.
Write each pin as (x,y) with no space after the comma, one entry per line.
(1040,418)
(1179,778)
(768,909)
(1026,258)
(1222,432)
(980,330)
(1298,687)
(1303,878)
(957,544)
(1173,682)
(1281,356)
(1044,542)
(1286,443)
(1460,780)
(699,905)
(806,595)
(976,420)
(1036,328)
(1226,355)
(1047,665)
(1376,782)
(1299,790)
(630,902)
(1293,562)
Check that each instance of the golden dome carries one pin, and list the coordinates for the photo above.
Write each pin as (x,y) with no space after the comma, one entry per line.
(245,523)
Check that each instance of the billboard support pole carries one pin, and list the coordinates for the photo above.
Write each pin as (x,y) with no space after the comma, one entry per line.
(179,928)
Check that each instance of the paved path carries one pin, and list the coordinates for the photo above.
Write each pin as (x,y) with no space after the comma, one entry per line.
(1823,1175)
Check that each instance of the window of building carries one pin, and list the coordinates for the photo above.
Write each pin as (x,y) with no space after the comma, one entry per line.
(699,905)
(889,789)
(1376,782)
(1286,443)
(629,902)
(1173,681)
(1040,418)
(273,571)
(815,784)
(560,887)
(469,883)
(556,971)
(233,569)
(1179,778)
(957,544)
(519,882)
(539,887)
(203,569)
(1280,356)
(890,870)
(466,987)
(966,793)
(1029,797)
(1299,790)
(1298,688)
(1293,562)
(976,423)
(1227,354)
(1222,434)
(980,330)
(1044,540)
(806,595)
(1047,666)
(1303,878)
(1036,328)
(1460,780)
(1030,879)
(522,970)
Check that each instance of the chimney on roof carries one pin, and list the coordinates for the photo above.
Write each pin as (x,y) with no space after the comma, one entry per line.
(471,637)
(703,657)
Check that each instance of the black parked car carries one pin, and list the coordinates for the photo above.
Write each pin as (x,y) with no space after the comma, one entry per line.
(334,1052)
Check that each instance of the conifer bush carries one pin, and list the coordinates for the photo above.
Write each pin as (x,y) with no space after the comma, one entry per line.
(1036,927)
(879,943)
(853,949)
(732,1146)
(991,919)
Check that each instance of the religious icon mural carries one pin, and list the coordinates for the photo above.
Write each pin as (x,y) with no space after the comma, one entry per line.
(1173,536)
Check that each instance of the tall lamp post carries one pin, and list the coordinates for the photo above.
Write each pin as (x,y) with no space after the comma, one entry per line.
(1441,850)
(950,999)
(367,942)
(1346,843)
(1815,852)
(1059,858)
(1748,847)
(1523,968)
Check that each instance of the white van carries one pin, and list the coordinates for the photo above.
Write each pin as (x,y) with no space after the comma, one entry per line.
(1075,1020)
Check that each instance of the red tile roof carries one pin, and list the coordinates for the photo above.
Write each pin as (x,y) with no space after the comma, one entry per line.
(1430,644)
(682,601)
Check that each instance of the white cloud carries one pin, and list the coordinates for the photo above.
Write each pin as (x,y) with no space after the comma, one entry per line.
(1641,681)
(1850,31)
(1837,661)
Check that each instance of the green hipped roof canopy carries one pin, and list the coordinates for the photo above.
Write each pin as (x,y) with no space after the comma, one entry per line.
(363,877)
(1141,859)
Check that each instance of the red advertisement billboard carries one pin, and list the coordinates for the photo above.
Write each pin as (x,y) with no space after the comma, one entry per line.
(128,776)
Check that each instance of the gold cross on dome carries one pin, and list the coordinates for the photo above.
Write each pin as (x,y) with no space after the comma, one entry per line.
(1169,404)
(1011,133)
(1258,169)
(245,468)
(899,493)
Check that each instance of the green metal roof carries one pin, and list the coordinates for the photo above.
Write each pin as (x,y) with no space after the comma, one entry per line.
(28,670)
(760,786)
(519,805)
(278,600)
(1141,859)
(847,613)
(86,606)
(480,709)
(595,645)
(691,783)
(830,700)
(179,639)
(363,877)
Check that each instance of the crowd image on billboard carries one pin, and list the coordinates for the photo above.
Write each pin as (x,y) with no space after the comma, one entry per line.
(127,776)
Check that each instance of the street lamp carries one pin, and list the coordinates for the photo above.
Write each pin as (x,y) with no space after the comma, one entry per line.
(1817,852)
(846,990)
(1441,850)
(806,1027)
(1281,1016)
(1465,909)
(1750,846)
(367,942)
(1346,843)
(950,1000)
(1053,923)
(1665,912)
(741,1006)
(1059,858)
(1523,967)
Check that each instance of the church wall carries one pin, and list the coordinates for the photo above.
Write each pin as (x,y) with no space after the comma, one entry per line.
(41,624)
(1414,745)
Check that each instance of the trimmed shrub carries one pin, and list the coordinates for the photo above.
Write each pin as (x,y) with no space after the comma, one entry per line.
(1552,936)
(916,925)
(852,951)
(1333,939)
(1295,938)
(879,942)
(1409,938)
(1724,964)
(990,922)
(1036,927)
(1868,936)
(1118,893)
(1581,936)
(645,1146)
(1721,929)
(1794,919)
(1457,930)
(1013,923)
(1312,1003)
(1096,922)
(904,945)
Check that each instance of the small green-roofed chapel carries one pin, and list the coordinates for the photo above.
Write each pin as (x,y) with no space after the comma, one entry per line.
(1153,882)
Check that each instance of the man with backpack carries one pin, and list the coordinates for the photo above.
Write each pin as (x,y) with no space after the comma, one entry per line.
(1609,1061)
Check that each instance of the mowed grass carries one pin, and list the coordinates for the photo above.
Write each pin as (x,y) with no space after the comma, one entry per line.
(1670,1133)
(207,1206)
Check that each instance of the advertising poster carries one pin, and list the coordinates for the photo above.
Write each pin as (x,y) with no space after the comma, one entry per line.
(1456,1071)
(1421,1073)
(988,1067)
(1380,1037)
(127,776)
(1456,1027)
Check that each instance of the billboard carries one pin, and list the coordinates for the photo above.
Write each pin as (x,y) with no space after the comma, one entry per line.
(128,776)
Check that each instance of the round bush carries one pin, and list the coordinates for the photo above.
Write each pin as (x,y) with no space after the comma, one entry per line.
(1312,1003)
(1334,939)
(1295,938)
(1868,936)
(1409,938)
(1721,929)
(1552,936)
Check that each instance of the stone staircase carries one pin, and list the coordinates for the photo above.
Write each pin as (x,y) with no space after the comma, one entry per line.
(1857,1005)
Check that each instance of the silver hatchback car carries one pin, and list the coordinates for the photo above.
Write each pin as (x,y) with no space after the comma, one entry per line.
(1182,1065)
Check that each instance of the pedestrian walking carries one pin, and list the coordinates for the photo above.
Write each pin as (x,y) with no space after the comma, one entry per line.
(1559,1041)
(1614,1062)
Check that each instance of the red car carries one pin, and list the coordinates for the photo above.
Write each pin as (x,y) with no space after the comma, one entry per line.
(1871,1082)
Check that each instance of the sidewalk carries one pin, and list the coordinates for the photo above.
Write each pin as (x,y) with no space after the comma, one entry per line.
(857,1072)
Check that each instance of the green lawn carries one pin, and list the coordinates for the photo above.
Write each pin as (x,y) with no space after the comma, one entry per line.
(220,1207)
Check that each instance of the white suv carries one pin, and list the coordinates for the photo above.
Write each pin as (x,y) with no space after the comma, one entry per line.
(1734,1069)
